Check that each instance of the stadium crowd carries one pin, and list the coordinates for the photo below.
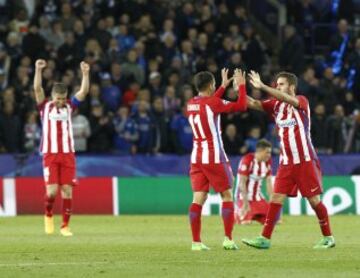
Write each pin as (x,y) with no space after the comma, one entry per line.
(143,55)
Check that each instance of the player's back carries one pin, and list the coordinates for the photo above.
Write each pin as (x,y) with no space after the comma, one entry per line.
(205,124)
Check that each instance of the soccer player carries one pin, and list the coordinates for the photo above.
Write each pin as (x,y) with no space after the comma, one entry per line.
(253,169)
(57,144)
(299,168)
(209,163)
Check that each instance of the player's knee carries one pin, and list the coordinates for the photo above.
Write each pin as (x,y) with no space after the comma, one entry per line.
(314,201)
(200,198)
(51,191)
(277,198)
(66,192)
(226,196)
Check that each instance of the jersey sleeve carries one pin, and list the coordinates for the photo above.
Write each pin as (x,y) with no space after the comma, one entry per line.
(268,105)
(223,106)
(219,92)
(244,166)
(303,102)
(74,102)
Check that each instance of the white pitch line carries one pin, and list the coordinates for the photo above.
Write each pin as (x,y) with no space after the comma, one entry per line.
(50,264)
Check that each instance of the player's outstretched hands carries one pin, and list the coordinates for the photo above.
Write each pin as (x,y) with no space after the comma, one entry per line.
(255,80)
(85,67)
(225,80)
(40,64)
(239,77)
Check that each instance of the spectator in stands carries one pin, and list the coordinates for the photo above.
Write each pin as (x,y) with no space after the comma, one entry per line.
(67,18)
(102,130)
(155,86)
(340,46)
(253,49)
(32,132)
(233,143)
(171,102)
(337,130)
(126,131)
(292,53)
(145,125)
(10,128)
(349,103)
(131,69)
(328,89)
(161,127)
(110,93)
(125,40)
(101,34)
(181,133)
(5,64)
(57,37)
(69,54)
(318,128)
(81,131)
(253,137)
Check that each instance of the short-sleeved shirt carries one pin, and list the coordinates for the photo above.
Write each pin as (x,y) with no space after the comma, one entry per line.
(293,127)
(256,171)
(57,132)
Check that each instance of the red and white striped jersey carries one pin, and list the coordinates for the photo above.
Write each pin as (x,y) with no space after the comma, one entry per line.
(57,132)
(256,171)
(204,117)
(293,127)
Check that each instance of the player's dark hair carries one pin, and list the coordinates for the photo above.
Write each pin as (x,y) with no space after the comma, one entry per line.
(290,77)
(202,80)
(262,144)
(59,88)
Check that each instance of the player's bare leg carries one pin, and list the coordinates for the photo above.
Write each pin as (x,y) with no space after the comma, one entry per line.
(263,241)
(227,213)
(66,194)
(199,199)
(328,240)
(51,191)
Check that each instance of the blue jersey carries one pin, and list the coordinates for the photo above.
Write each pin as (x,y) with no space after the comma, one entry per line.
(182,128)
(145,128)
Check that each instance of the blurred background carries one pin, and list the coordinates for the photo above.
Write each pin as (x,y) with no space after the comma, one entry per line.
(132,132)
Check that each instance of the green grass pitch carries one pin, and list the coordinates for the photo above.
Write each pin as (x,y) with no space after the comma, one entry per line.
(159,246)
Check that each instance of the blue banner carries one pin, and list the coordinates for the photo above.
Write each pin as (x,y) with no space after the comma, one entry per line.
(146,165)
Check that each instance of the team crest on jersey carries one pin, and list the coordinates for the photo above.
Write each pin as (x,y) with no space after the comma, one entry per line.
(243,167)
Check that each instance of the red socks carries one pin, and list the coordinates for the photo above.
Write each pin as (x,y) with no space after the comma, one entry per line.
(49,203)
(66,212)
(322,215)
(271,218)
(195,221)
(227,213)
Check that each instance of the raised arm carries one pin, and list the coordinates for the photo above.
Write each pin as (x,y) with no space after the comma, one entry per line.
(254,104)
(38,89)
(85,82)
(223,106)
(225,81)
(255,80)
